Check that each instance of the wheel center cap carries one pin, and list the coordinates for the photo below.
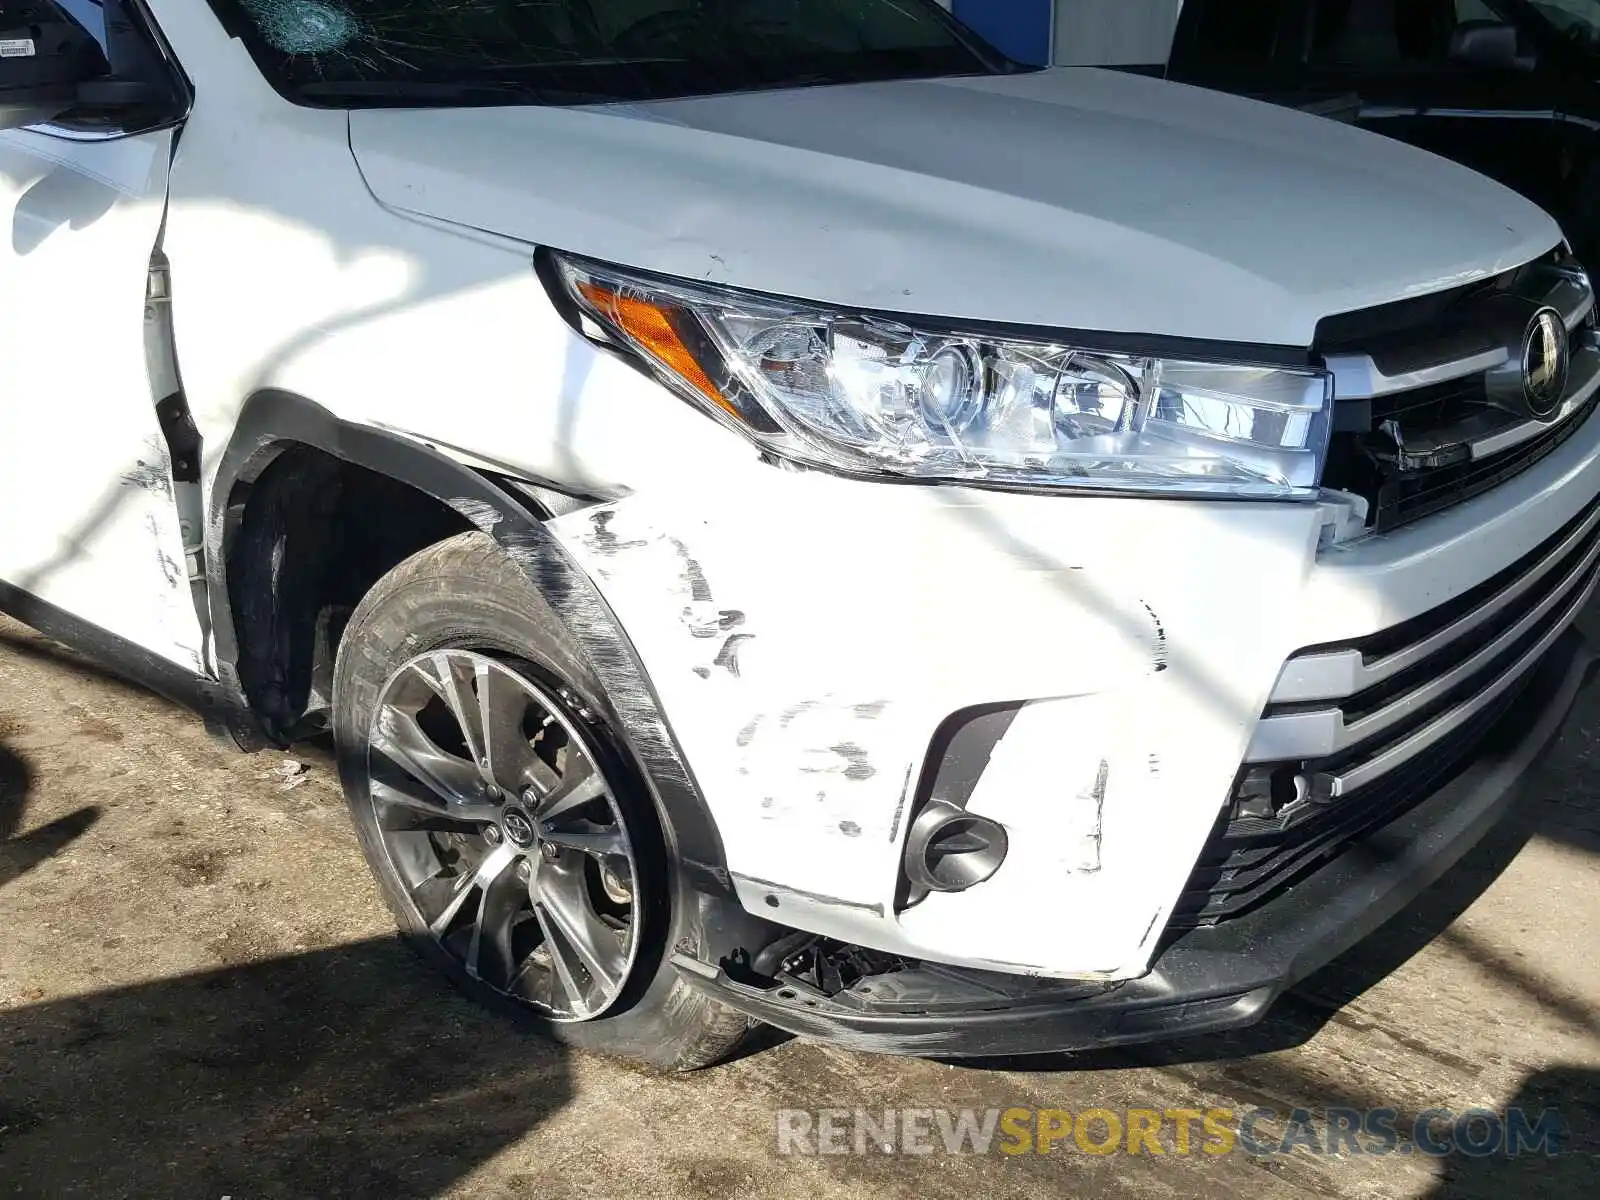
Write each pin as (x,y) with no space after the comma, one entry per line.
(517,826)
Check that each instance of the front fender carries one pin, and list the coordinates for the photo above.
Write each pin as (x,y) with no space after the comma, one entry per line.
(272,422)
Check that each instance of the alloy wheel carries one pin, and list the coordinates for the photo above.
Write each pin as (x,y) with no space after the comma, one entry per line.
(497,814)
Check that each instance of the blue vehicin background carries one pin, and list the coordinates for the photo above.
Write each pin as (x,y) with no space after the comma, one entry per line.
(1019,27)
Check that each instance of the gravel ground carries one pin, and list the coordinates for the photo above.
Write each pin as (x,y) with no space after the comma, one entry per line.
(200,995)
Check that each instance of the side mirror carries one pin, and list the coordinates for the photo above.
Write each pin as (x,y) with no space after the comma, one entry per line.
(46,59)
(1488,44)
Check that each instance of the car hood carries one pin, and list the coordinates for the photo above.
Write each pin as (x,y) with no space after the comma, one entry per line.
(1073,198)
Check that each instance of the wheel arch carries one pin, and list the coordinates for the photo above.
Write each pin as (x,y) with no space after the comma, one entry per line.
(274,423)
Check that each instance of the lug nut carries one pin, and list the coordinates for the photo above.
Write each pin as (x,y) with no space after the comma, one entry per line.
(524,870)
(549,851)
(492,834)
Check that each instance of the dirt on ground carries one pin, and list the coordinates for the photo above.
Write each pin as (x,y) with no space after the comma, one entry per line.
(201,995)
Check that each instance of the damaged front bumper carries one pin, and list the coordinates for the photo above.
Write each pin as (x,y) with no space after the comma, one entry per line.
(813,640)
(1088,675)
(1204,980)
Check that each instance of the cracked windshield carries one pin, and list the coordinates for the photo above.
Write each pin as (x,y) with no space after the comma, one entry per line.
(592,51)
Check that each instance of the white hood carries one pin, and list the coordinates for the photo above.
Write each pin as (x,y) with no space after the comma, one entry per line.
(1076,198)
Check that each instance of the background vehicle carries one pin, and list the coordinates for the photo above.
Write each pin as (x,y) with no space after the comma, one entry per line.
(758,564)
(1508,87)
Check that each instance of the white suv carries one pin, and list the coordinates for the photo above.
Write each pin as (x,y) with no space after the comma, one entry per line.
(787,515)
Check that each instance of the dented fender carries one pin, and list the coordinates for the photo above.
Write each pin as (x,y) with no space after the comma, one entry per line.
(273,421)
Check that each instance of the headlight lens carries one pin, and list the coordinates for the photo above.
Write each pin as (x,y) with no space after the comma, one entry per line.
(866,395)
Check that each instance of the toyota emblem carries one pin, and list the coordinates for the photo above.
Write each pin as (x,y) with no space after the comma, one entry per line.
(1546,360)
(518,827)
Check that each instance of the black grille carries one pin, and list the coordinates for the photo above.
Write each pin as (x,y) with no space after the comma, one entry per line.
(1437,404)
(1250,858)
(1364,456)
(1396,497)
(1238,871)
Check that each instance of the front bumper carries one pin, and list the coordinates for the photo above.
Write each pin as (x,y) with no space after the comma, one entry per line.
(1214,978)
(809,640)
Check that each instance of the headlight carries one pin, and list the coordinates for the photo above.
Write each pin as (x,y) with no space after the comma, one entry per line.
(860,394)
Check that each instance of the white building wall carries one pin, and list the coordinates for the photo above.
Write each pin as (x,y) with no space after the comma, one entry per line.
(1120,32)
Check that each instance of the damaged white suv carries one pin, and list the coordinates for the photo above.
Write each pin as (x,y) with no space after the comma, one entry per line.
(788,516)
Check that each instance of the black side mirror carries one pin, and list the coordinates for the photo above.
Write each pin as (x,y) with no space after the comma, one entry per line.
(46,59)
(1489,44)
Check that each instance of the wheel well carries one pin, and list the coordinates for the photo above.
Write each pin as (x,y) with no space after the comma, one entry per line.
(312,535)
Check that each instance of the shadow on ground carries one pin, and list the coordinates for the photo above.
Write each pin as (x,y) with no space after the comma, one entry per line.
(1573,1171)
(341,1072)
(346,1071)
(20,854)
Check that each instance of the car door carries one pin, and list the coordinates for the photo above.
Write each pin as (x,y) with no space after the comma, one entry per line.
(90,525)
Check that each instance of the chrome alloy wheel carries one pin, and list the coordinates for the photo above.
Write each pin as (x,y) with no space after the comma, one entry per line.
(497,816)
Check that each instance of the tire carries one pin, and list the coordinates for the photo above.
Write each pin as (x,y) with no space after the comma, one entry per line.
(464,595)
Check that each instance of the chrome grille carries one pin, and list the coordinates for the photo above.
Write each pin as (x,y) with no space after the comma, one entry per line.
(1356,732)
(1430,408)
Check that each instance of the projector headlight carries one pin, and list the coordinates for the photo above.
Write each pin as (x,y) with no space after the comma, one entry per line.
(867,395)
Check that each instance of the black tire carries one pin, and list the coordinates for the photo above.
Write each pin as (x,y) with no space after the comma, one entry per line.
(465,593)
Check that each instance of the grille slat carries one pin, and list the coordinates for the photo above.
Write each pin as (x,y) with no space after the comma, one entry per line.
(1451,673)
(1238,871)
(1334,670)
(1504,627)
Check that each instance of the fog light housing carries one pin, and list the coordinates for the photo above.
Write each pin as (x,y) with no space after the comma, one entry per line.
(951,850)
